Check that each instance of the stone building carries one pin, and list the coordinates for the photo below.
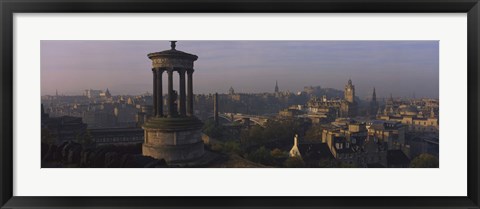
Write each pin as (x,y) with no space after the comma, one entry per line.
(358,151)
(310,153)
(336,107)
(419,115)
(325,109)
(290,112)
(173,135)
(364,144)
(92,94)
(390,133)
(415,123)
(57,130)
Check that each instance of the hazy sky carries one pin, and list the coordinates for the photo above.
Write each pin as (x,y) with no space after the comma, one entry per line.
(401,68)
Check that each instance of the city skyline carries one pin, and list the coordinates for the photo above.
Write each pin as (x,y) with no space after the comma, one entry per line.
(400,68)
(320,128)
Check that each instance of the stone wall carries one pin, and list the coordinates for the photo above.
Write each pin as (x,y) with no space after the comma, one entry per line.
(172,138)
(74,155)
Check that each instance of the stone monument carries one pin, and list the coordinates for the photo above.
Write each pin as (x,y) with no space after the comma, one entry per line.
(173,135)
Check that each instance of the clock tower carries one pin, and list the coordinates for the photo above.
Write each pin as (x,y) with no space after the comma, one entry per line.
(349,92)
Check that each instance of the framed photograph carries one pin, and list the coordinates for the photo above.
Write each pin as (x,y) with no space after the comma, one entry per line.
(265,104)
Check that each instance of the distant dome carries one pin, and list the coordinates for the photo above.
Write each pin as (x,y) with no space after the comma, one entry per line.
(172,58)
(173,53)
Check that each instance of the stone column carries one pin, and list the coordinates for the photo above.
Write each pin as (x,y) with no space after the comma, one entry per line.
(159,93)
(170,93)
(154,91)
(190,93)
(182,92)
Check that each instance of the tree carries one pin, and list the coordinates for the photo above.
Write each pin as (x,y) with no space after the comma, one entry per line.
(47,136)
(232,146)
(262,156)
(256,133)
(252,136)
(314,134)
(294,162)
(213,130)
(327,163)
(277,153)
(332,163)
(424,161)
(217,147)
(345,165)
(85,139)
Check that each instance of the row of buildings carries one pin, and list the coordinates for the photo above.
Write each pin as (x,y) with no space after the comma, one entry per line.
(418,115)
(387,135)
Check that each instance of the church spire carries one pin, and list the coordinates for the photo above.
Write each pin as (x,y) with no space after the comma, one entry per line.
(276,86)
(107,93)
(374,105)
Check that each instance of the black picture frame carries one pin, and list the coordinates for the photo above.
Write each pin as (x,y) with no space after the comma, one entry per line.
(9,7)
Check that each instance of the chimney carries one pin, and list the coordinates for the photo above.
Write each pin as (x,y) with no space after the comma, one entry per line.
(215,108)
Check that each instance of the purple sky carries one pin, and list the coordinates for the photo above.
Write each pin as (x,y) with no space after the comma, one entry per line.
(402,68)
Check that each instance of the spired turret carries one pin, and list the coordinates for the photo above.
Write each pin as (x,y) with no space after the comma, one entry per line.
(295,152)
(173,135)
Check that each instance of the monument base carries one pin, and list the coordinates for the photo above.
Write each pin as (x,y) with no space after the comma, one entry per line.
(175,140)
